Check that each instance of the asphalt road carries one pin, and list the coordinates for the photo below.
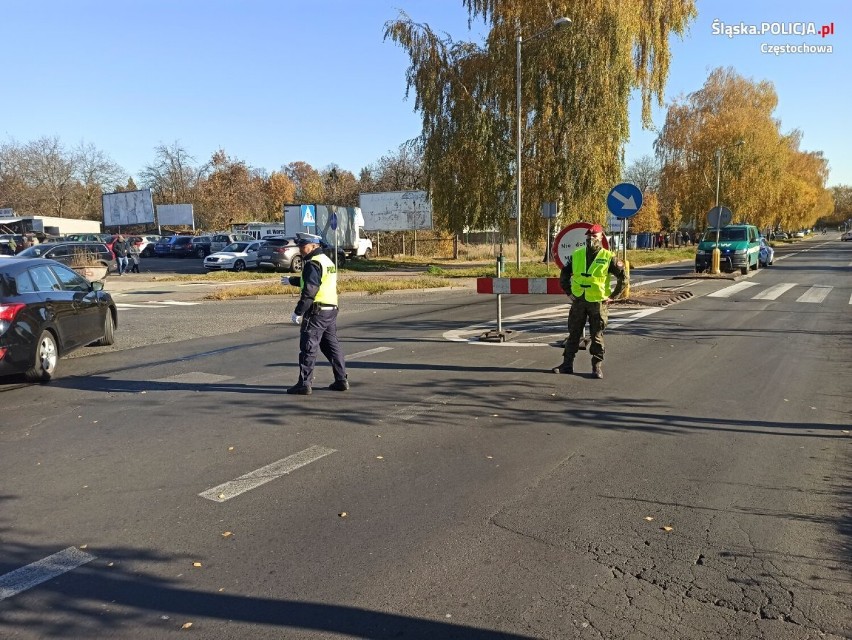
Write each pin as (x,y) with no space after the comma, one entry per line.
(458,490)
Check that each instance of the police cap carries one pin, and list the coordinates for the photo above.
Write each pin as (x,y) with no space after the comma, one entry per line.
(303,239)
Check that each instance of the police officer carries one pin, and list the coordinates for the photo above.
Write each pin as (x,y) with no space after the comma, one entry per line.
(316,312)
(586,280)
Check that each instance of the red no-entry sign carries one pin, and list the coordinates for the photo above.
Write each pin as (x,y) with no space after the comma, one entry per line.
(569,240)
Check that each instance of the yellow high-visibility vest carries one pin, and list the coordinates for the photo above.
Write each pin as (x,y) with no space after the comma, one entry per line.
(327,293)
(593,284)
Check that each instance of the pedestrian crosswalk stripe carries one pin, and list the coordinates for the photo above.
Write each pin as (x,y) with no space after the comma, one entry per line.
(727,292)
(816,293)
(774,292)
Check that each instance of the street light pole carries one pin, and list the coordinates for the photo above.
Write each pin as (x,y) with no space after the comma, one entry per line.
(519,42)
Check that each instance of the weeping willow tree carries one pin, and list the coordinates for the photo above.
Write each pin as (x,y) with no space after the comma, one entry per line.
(575,86)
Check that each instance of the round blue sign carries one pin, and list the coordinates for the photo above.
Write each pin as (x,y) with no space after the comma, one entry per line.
(625,200)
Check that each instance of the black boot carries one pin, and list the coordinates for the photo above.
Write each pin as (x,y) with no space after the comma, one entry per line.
(300,389)
(567,366)
(339,385)
(597,372)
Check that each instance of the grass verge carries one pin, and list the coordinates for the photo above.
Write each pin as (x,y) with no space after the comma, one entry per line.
(371,286)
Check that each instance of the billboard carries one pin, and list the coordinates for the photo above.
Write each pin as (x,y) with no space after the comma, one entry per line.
(128,207)
(396,211)
(175,214)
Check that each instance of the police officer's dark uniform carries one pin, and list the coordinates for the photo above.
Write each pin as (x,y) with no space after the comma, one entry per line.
(586,280)
(316,311)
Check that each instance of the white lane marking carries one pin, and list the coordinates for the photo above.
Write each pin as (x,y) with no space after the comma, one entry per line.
(523,322)
(43,570)
(520,363)
(816,293)
(368,352)
(727,292)
(153,304)
(688,283)
(195,377)
(644,282)
(775,291)
(850,299)
(412,410)
(261,476)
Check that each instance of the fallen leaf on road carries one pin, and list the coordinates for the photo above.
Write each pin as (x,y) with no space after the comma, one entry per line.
(342,514)
(221,496)
(83,546)
(187,625)
(649,518)
(230,448)
(196,564)
(380,457)
(226,534)
(668,529)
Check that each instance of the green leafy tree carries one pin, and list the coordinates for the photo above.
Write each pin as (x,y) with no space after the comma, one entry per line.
(575,86)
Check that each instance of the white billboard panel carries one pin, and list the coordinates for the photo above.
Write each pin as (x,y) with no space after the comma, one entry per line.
(128,207)
(175,214)
(396,211)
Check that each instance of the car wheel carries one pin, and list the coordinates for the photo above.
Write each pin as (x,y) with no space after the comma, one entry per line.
(200,253)
(296,265)
(45,361)
(239,265)
(109,331)
(368,254)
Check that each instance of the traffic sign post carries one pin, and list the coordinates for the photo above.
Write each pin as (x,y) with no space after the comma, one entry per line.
(624,201)
(718,217)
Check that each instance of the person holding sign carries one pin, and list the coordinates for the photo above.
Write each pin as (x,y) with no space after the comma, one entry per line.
(586,279)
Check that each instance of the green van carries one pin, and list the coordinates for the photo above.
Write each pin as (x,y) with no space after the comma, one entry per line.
(739,246)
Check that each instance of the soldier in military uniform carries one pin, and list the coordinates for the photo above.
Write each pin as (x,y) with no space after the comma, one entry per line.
(316,314)
(586,280)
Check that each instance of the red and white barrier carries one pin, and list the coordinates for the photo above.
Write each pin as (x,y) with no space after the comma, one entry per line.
(519,285)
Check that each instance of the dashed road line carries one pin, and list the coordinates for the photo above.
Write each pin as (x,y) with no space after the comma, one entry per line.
(43,570)
(368,352)
(261,476)
(410,411)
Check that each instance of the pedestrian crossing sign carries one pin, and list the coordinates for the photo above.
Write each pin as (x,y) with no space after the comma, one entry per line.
(309,217)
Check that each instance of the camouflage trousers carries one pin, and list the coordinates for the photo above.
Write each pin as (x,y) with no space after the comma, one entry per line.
(596,314)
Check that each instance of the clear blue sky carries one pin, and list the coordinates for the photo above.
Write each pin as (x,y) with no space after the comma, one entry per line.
(276,81)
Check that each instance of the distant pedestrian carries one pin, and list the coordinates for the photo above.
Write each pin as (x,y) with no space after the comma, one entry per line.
(133,255)
(119,248)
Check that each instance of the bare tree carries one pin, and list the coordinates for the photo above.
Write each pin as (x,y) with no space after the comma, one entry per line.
(95,170)
(644,173)
(172,177)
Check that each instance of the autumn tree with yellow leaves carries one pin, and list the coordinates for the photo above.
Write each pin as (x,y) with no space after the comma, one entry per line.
(575,86)
(727,132)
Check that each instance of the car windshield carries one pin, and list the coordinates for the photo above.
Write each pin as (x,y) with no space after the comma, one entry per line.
(725,235)
(236,247)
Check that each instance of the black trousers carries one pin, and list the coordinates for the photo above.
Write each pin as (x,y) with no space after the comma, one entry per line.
(319,333)
(597,314)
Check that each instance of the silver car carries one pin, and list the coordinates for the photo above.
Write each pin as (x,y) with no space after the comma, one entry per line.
(235,257)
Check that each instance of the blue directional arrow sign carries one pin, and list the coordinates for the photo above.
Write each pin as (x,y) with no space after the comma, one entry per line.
(625,200)
(332,221)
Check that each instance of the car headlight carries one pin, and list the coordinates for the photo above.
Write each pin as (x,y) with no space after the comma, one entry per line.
(740,252)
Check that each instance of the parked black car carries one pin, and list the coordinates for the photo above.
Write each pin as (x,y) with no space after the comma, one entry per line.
(70,252)
(201,246)
(181,246)
(46,311)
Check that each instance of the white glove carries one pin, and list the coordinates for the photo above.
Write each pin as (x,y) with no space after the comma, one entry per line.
(295,319)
